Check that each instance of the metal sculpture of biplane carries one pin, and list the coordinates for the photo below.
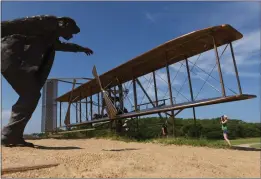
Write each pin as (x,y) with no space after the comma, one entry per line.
(111,110)
(171,52)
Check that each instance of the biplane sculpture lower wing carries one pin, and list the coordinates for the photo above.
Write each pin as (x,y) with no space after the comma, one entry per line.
(198,103)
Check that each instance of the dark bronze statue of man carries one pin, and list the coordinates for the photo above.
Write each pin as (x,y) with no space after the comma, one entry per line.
(28,51)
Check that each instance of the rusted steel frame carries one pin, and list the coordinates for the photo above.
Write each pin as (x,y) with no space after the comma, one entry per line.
(109,92)
(121,96)
(178,112)
(219,68)
(102,104)
(86,108)
(91,106)
(114,97)
(98,96)
(191,89)
(171,97)
(71,79)
(80,107)
(139,83)
(155,88)
(60,115)
(135,94)
(235,67)
(153,102)
(76,111)
(68,113)
(70,82)
(108,87)
(189,79)
(167,114)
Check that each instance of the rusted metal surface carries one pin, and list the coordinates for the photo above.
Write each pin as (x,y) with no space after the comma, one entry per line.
(155,88)
(171,100)
(91,106)
(80,109)
(219,67)
(121,97)
(235,67)
(86,108)
(161,100)
(98,98)
(67,120)
(151,102)
(181,106)
(178,112)
(60,114)
(185,46)
(76,111)
(135,95)
(191,90)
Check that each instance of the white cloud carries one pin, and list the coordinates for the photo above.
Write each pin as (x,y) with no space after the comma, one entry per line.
(150,17)
(247,54)
(250,74)
(252,39)
(6,114)
(247,49)
(5,117)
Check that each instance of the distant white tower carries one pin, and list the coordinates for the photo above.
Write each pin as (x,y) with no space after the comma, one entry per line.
(49,106)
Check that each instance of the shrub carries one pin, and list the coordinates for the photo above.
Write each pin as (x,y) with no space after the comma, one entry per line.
(148,128)
(192,130)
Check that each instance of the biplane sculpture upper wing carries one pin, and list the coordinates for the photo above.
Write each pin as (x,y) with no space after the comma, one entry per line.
(168,53)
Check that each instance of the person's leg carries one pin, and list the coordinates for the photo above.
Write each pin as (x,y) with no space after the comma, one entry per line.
(22,111)
(226,137)
(27,87)
(25,81)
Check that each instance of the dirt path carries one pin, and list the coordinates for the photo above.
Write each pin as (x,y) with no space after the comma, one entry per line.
(92,158)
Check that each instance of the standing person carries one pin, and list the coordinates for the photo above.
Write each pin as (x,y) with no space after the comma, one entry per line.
(164,130)
(28,51)
(224,120)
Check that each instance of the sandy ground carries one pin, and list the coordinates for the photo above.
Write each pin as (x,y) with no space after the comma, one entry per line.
(92,158)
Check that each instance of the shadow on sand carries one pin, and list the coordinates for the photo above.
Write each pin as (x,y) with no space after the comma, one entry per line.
(119,150)
(55,148)
(245,148)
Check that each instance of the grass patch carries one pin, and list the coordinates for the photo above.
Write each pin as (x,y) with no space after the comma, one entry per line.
(257,146)
(201,142)
(175,141)
(193,142)
(245,141)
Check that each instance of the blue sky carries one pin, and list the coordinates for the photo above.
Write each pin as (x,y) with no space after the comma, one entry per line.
(120,31)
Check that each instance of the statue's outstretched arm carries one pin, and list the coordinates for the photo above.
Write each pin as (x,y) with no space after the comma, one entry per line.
(71,47)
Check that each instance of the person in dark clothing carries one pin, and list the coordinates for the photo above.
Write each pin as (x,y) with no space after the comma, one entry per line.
(28,51)
(164,130)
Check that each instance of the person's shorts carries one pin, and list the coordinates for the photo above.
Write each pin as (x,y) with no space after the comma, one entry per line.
(225,131)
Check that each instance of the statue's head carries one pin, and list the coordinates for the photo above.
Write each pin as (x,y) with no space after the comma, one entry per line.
(67,27)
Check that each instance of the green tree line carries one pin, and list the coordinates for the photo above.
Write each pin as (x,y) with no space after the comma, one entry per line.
(203,128)
(149,128)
